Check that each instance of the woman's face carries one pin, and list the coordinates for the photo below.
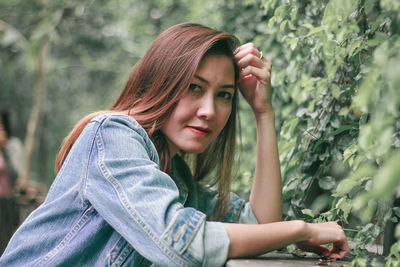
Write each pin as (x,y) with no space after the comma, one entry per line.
(203,111)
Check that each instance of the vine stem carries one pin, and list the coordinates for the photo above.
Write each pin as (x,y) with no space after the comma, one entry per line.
(350,230)
(312,136)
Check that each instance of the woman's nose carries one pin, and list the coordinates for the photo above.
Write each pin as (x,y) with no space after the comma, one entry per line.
(206,109)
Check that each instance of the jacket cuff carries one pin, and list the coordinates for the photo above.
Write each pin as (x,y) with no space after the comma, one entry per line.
(217,244)
(210,246)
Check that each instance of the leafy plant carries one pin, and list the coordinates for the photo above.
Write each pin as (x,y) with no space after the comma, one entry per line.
(337,93)
(335,80)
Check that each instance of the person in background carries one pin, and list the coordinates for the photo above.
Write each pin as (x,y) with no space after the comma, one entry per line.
(27,193)
(9,213)
(13,150)
(130,187)
(5,183)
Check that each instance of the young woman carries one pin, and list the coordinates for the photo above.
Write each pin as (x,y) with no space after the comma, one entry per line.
(124,194)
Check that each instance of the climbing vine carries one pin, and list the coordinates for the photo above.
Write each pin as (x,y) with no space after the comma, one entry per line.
(337,96)
(336,78)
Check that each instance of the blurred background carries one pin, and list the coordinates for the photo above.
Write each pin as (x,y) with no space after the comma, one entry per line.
(336,94)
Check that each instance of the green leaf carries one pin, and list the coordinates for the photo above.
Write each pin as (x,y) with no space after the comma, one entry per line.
(341,129)
(308,26)
(289,127)
(377,40)
(349,152)
(355,47)
(291,25)
(283,25)
(379,21)
(327,182)
(282,11)
(364,171)
(335,89)
(293,14)
(314,31)
(396,211)
(345,206)
(387,179)
(293,43)
(271,23)
(345,186)
(308,212)
(369,5)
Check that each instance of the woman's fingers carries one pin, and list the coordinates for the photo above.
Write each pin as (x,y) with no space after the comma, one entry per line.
(340,249)
(248,54)
(260,74)
(340,246)
(254,80)
(324,233)
(250,60)
(245,49)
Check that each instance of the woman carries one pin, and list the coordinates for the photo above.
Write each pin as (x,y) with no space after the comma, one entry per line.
(124,194)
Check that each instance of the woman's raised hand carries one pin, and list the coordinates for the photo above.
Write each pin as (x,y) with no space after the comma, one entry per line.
(255,75)
(325,233)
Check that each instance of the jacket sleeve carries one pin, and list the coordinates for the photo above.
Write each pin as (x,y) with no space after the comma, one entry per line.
(127,188)
(237,211)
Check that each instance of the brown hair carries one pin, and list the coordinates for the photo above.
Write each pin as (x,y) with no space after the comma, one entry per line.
(157,83)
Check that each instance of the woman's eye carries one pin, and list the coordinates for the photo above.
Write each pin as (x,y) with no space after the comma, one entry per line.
(194,88)
(226,95)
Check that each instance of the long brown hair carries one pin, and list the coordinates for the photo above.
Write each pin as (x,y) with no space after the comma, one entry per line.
(155,86)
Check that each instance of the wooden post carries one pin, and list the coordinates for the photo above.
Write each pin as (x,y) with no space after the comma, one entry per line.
(29,143)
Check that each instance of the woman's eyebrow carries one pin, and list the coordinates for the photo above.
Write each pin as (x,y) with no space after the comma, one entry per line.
(208,83)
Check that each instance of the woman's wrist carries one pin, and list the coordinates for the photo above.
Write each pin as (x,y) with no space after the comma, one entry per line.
(302,231)
(267,109)
(267,116)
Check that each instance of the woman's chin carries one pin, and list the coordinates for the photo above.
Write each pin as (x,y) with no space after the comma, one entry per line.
(194,150)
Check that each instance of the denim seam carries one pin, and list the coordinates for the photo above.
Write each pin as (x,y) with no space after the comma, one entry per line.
(68,237)
(115,247)
(192,236)
(126,251)
(199,218)
(124,200)
(149,144)
(85,175)
(122,257)
(60,172)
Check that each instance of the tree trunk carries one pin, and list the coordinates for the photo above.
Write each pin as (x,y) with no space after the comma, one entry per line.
(29,144)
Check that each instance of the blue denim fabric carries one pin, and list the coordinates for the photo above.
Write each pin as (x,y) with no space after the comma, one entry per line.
(111,205)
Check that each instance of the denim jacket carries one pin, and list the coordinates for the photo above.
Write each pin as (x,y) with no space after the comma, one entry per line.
(111,205)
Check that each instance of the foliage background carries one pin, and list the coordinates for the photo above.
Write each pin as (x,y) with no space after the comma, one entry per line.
(335,77)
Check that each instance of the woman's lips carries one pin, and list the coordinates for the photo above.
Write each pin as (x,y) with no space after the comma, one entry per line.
(201,131)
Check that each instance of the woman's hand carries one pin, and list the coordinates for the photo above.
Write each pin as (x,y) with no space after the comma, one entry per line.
(318,234)
(255,75)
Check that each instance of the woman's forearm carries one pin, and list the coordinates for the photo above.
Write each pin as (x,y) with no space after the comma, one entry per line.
(266,193)
(251,239)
